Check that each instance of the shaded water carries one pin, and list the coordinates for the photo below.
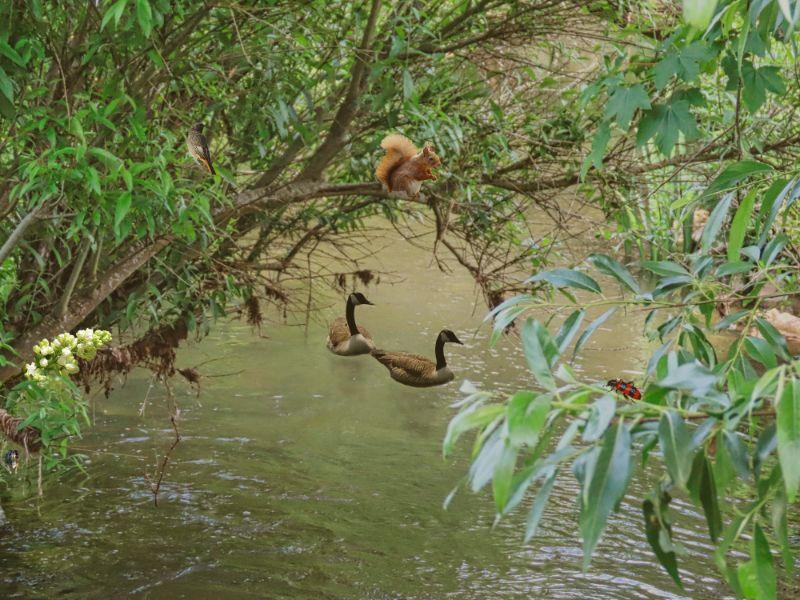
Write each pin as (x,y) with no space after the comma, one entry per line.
(314,476)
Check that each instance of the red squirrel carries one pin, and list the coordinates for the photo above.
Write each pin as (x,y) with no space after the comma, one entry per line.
(404,168)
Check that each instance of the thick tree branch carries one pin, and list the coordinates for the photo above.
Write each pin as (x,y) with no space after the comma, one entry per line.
(18,232)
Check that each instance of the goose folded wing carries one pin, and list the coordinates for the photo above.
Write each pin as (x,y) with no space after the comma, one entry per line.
(413,364)
(339,332)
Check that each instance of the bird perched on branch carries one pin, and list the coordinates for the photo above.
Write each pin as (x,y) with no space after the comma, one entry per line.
(198,147)
(404,168)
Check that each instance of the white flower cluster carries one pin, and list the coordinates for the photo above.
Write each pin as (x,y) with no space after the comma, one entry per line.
(60,357)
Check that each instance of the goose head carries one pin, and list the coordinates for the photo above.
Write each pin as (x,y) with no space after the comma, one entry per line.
(448,336)
(357,298)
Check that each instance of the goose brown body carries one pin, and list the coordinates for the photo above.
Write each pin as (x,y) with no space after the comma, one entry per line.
(419,371)
(413,369)
(345,338)
(339,332)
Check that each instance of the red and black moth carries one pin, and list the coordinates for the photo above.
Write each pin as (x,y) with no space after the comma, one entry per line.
(626,388)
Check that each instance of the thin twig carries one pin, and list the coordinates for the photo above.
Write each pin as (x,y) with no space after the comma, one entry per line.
(155,487)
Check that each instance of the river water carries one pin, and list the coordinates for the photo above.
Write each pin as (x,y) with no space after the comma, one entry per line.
(308,475)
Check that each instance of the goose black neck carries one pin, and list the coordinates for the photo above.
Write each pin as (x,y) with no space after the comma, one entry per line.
(350,315)
(441,363)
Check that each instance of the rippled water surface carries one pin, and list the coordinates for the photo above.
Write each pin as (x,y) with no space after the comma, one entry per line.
(313,476)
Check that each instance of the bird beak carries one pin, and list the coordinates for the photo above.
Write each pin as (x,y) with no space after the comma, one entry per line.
(457,341)
(370,303)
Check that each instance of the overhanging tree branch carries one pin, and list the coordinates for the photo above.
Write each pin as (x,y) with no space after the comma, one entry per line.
(347,110)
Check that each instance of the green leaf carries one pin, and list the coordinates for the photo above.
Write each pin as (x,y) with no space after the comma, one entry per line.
(767,442)
(664,122)
(715,221)
(609,266)
(737,453)
(735,268)
(568,329)
(471,417)
(665,268)
(119,9)
(121,210)
(567,278)
(756,82)
(670,284)
(757,576)
(535,515)
(599,144)
(788,422)
(676,447)
(600,417)
(730,320)
(107,158)
(503,473)
(773,202)
(482,469)
(527,414)
(113,12)
(408,85)
(683,62)
(760,351)
(537,361)
(606,487)
(693,376)
(780,525)
(503,320)
(774,338)
(733,174)
(786,9)
(773,248)
(739,226)
(698,13)
(6,85)
(704,490)
(654,526)
(591,328)
(145,16)
(11,54)
(623,103)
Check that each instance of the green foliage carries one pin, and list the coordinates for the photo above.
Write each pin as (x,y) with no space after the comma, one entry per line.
(561,278)
(698,13)
(664,122)
(726,428)
(788,421)
(682,62)
(604,477)
(624,101)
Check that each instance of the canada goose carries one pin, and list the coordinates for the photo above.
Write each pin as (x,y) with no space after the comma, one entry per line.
(416,370)
(344,337)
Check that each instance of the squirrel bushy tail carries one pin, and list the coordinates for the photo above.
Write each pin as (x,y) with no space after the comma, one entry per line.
(398,149)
